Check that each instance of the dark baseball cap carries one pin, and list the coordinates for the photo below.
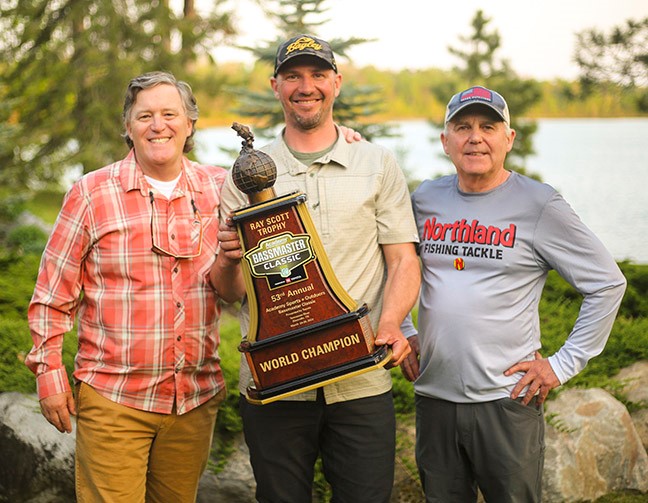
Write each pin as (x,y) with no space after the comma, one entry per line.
(478,96)
(304,45)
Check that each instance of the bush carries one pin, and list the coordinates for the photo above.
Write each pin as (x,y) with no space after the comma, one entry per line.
(635,301)
(628,341)
(11,205)
(17,285)
(228,421)
(27,239)
(403,391)
(15,343)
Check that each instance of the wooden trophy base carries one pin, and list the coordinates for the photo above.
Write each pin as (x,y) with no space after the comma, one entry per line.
(309,358)
(370,362)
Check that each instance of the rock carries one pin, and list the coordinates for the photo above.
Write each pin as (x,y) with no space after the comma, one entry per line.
(37,461)
(592,448)
(634,382)
(640,420)
(234,484)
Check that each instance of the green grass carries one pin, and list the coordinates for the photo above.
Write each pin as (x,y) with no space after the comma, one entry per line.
(623,497)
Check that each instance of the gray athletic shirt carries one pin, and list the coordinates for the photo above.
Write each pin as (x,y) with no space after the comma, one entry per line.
(485,258)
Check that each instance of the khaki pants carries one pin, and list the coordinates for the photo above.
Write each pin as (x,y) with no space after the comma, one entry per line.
(125,455)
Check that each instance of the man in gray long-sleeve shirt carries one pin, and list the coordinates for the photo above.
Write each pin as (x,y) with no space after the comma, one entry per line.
(488,238)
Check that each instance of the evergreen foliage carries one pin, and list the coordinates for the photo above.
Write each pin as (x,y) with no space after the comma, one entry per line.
(14,345)
(355,106)
(17,284)
(26,239)
(481,67)
(617,60)
(65,67)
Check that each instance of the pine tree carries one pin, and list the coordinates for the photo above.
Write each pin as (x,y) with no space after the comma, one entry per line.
(479,57)
(66,64)
(481,67)
(617,61)
(355,105)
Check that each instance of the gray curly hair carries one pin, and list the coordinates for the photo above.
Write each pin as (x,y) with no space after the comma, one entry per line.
(152,79)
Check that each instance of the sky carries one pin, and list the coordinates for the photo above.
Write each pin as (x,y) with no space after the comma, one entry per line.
(538,38)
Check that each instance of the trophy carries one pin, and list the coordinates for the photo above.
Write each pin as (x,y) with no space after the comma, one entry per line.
(305,330)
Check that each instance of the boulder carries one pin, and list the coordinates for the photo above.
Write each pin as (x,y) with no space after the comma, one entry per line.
(592,448)
(634,385)
(37,461)
(234,483)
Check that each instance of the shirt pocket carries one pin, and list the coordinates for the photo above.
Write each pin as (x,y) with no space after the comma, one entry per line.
(347,206)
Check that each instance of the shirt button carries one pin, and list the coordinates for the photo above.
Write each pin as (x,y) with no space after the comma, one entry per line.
(172,236)
(179,338)
(178,304)
(175,270)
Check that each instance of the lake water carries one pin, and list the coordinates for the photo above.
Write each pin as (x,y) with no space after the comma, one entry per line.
(600,166)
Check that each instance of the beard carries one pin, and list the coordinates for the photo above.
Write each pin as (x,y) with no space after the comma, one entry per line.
(310,121)
(306,123)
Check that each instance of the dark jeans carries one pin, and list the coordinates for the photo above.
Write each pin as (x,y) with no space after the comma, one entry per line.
(356,440)
(498,446)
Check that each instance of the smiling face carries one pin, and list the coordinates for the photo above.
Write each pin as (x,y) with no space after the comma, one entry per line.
(477,142)
(159,127)
(307,89)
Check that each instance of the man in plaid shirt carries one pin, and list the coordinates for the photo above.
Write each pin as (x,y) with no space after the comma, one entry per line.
(130,254)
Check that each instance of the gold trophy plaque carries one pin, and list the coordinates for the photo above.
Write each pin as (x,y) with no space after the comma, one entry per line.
(305,330)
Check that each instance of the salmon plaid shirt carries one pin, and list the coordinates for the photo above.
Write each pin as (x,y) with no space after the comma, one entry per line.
(147,323)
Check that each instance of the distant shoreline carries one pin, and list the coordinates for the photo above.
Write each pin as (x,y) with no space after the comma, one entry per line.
(226,121)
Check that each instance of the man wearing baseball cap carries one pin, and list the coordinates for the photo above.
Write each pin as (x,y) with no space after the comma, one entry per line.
(488,238)
(304,45)
(360,204)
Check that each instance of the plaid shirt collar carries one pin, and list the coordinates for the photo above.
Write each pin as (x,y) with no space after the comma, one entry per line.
(131,176)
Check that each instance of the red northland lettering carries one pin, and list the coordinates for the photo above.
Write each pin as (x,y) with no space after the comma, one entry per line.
(474,233)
